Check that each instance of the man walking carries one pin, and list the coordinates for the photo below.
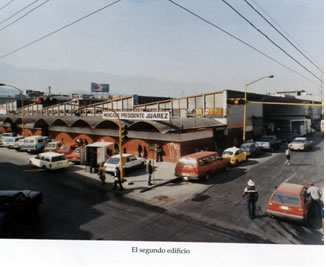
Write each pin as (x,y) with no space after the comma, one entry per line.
(315,193)
(117,179)
(140,150)
(287,156)
(149,170)
(252,197)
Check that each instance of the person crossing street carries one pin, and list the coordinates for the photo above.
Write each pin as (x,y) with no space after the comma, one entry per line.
(252,196)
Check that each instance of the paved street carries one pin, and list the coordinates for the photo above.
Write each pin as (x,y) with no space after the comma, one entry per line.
(77,206)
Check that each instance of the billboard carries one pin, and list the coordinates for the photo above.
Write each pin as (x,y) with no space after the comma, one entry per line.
(100,87)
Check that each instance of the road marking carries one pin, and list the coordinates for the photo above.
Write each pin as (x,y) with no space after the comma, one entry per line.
(288,178)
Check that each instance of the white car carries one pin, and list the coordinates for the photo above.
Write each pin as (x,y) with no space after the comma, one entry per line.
(131,162)
(49,161)
(10,141)
(301,143)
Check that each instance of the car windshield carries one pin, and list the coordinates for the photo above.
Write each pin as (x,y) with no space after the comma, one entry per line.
(228,153)
(77,151)
(50,145)
(245,147)
(286,199)
(64,148)
(298,141)
(113,160)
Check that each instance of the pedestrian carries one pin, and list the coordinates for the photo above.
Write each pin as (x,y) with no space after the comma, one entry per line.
(145,153)
(314,193)
(78,142)
(149,170)
(101,173)
(287,156)
(85,142)
(81,142)
(93,163)
(252,197)
(117,179)
(140,150)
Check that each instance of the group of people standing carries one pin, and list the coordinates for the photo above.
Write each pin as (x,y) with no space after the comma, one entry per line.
(80,142)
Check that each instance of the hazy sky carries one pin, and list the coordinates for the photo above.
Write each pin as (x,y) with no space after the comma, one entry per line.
(147,46)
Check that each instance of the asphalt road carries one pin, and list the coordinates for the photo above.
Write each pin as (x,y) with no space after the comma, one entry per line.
(78,208)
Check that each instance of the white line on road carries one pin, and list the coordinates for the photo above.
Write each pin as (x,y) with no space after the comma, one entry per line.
(288,178)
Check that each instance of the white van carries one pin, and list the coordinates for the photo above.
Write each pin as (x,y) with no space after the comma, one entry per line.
(5,135)
(49,161)
(34,144)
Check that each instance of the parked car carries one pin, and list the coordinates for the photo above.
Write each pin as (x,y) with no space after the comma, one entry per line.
(289,201)
(17,145)
(34,144)
(4,135)
(18,206)
(66,149)
(9,142)
(49,161)
(269,143)
(200,165)
(75,156)
(130,162)
(52,146)
(251,149)
(235,154)
(301,143)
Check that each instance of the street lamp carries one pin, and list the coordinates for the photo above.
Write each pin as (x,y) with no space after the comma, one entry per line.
(245,106)
(22,102)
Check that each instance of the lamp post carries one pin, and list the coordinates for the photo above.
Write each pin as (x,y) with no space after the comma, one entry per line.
(22,102)
(245,106)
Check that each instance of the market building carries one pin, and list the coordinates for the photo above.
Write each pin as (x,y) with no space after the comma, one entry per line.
(209,121)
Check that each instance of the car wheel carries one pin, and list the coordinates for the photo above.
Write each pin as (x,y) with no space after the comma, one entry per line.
(142,165)
(227,167)
(207,176)
(236,163)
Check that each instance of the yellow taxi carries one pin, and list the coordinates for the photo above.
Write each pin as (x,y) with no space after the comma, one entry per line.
(235,154)
(53,146)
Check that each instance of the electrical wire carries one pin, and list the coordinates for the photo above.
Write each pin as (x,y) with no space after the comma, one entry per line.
(269,39)
(60,29)
(10,2)
(241,41)
(280,27)
(11,16)
(284,36)
(30,11)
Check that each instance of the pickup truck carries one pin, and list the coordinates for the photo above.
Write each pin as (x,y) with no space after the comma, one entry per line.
(269,143)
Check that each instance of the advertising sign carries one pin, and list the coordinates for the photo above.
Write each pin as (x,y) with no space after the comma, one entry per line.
(153,116)
(100,87)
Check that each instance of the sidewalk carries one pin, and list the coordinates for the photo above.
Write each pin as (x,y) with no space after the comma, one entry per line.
(166,190)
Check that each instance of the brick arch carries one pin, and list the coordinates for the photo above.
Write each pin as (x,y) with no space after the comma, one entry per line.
(67,139)
(27,132)
(2,129)
(37,132)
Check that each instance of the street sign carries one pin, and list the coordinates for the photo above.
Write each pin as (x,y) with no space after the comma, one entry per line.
(152,116)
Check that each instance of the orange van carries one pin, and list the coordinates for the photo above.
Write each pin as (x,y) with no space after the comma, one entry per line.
(200,165)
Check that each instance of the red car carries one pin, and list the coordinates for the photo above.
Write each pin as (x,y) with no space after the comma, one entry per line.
(66,149)
(74,156)
(289,201)
(200,165)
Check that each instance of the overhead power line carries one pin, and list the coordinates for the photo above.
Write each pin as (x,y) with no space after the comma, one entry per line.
(11,16)
(269,39)
(7,4)
(60,29)
(284,36)
(241,41)
(21,17)
(280,27)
